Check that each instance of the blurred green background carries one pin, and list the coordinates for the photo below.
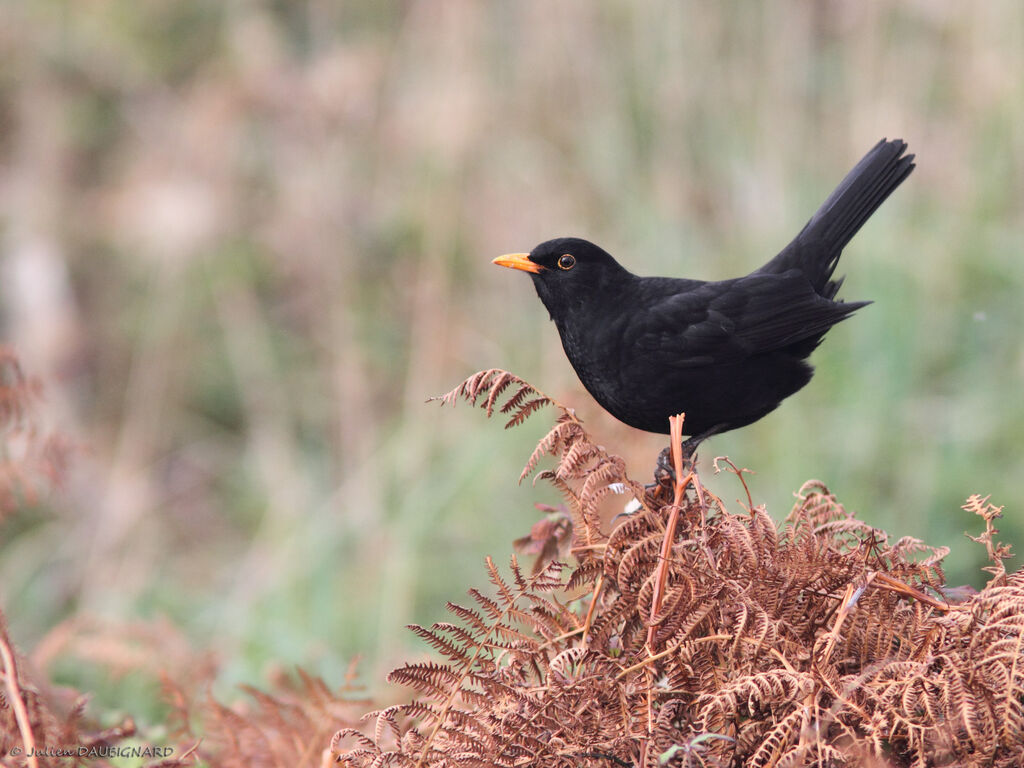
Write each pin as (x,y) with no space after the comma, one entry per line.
(242,242)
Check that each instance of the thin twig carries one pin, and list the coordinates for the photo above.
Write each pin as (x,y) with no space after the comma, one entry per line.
(739,473)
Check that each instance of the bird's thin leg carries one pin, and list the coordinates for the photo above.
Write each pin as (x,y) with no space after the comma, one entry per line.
(664,474)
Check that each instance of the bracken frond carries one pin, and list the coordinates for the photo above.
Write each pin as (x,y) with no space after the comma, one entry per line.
(687,635)
(491,387)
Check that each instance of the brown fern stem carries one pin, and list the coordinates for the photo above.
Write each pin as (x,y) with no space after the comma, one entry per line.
(593,604)
(1011,691)
(676,436)
(17,703)
(669,651)
(851,596)
(895,585)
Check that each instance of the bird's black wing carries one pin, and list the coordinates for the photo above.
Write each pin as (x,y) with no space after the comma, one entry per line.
(732,320)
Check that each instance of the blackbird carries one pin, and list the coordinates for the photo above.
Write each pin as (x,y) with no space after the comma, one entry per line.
(724,353)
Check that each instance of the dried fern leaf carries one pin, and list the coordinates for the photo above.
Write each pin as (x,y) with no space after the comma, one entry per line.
(491,387)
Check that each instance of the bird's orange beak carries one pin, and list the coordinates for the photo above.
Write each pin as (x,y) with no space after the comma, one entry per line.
(518,261)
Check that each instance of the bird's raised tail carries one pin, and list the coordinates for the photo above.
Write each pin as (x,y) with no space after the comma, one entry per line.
(818,246)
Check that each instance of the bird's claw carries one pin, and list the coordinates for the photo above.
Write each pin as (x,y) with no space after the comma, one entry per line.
(664,471)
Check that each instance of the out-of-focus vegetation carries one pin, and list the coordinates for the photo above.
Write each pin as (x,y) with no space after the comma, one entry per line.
(243,242)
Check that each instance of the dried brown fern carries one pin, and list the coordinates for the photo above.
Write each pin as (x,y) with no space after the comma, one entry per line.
(491,388)
(287,728)
(997,552)
(585,473)
(725,640)
(37,728)
(32,461)
(498,652)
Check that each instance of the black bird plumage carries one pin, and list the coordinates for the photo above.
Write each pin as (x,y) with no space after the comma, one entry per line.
(726,353)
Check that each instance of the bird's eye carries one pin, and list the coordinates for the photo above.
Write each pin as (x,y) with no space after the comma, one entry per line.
(566,261)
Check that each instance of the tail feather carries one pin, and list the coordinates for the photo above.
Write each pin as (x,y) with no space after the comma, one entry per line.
(858,195)
(817,248)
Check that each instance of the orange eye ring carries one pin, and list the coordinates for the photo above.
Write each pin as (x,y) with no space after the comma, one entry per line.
(566,261)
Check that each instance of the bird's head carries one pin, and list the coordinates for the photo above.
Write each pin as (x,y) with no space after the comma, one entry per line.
(567,272)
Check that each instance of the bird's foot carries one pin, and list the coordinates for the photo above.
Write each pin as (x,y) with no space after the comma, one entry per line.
(664,471)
